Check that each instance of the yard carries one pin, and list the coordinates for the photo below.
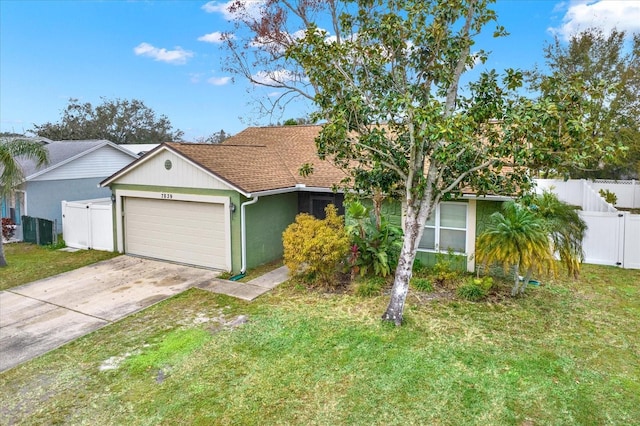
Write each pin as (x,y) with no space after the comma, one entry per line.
(566,353)
(29,262)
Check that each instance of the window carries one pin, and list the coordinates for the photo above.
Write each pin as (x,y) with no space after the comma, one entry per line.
(446,229)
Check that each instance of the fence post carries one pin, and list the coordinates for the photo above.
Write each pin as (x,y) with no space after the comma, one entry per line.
(37,221)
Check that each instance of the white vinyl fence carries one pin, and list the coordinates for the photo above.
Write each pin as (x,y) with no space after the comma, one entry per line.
(576,192)
(88,224)
(627,191)
(612,237)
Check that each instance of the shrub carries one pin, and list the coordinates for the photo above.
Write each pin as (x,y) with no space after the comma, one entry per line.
(8,228)
(475,289)
(609,197)
(370,286)
(443,269)
(316,247)
(375,246)
(471,291)
(422,284)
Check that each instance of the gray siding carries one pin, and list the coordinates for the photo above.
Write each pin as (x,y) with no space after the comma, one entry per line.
(44,198)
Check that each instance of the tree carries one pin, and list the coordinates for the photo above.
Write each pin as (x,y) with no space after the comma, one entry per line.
(12,176)
(215,137)
(610,70)
(120,121)
(516,237)
(386,83)
(565,228)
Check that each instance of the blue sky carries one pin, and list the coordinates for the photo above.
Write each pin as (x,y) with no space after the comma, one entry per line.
(157,51)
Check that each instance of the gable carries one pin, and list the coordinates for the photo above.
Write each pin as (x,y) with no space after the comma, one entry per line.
(99,163)
(181,174)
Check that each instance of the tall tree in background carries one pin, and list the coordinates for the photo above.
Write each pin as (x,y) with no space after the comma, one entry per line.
(385,81)
(215,137)
(121,121)
(10,172)
(609,68)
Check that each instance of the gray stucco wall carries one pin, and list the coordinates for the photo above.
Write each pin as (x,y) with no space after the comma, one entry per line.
(44,198)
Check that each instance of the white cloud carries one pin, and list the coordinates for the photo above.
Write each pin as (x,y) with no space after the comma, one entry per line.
(215,37)
(178,56)
(219,81)
(251,9)
(609,14)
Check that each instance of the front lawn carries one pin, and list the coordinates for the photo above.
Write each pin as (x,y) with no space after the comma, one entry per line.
(30,262)
(566,353)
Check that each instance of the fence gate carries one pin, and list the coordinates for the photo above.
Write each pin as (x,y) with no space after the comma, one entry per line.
(88,224)
(38,231)
(612,238)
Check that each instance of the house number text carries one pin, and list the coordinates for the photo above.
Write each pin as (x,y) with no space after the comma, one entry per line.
(166,196)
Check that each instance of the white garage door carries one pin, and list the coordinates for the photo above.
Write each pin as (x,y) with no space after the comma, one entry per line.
(179,231)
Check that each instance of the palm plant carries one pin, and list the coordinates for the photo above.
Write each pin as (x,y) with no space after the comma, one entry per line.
(11,174)
(565,228)
(516,238)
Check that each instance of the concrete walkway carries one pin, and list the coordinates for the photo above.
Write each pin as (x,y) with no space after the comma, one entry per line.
(251,289)
(38,317)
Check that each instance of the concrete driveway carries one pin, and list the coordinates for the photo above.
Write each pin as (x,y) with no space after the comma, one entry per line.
(38,317)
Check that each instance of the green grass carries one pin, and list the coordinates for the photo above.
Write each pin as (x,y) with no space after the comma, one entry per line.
(30,262)
(566,353)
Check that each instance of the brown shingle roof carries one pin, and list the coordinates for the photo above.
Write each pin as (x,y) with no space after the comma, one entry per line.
(264,158)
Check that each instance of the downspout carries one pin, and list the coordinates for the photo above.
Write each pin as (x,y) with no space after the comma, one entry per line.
(243,232)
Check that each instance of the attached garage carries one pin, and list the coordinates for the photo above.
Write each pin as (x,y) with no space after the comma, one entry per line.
(187,232)
(220,206)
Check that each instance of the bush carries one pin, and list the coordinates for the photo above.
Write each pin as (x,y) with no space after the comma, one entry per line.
(8,228)
(475,289)
(316,247)
(375,246)
(422,284)
(370,286)
(443,269)
(609,197)
(471,292)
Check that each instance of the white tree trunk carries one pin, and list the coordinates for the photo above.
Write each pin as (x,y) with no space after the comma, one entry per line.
(414,221)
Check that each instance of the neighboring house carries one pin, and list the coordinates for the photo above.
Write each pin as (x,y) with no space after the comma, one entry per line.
(225,206)
(74,172)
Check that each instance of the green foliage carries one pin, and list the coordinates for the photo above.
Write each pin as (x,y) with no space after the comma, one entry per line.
(443,271)
(565,227)
(375,248)
(471,291)
(369,286)
(422,284)
(418,266)
(605,69)
(475,289)
(10,149)
(121,121)
(517,238)
(58,244)
(609,196)
(314,246)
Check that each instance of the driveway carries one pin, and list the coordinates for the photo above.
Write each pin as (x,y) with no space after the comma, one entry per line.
(38,317)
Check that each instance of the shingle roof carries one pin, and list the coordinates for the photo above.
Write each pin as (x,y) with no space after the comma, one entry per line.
(264,158)
(59,151)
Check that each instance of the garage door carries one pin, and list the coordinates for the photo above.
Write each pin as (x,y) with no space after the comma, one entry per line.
(180,231)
